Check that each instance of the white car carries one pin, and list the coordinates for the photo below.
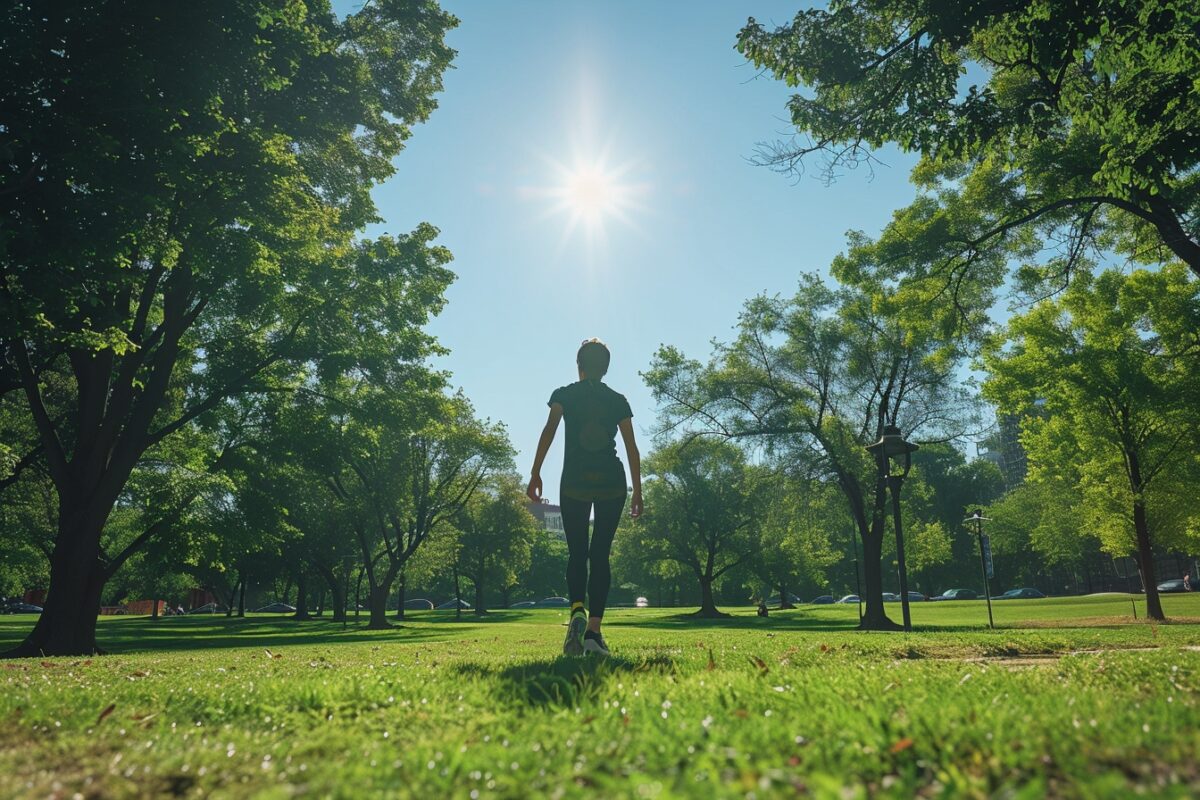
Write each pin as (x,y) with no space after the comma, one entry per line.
(641,602)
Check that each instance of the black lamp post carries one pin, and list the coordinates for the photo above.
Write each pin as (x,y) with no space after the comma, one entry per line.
(977,517)
(893,446)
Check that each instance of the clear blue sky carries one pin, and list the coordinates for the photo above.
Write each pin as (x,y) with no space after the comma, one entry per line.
(588,167)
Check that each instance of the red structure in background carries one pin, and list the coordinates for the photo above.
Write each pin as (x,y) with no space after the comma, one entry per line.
(35,597)
(199,597)
(145,607)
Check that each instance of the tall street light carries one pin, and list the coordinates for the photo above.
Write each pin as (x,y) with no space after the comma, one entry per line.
(985,560)
(892,446)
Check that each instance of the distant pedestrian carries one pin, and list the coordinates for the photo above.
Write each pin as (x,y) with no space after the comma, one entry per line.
(593,479)
(1187,582)
(762,608)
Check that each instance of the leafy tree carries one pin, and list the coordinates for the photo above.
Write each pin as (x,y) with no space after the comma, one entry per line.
(546,573)
(27,516)
(1115,363)
(399,466)
(430,564)
(1038,124)
(704,504)
(495,537)
(815,378)
(181,189)
(1041,519)
(658,580)
(797,546)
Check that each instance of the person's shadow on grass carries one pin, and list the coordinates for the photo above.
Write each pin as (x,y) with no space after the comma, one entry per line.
(564,682)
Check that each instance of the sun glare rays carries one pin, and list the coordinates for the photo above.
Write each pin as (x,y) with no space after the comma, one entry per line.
(588,196)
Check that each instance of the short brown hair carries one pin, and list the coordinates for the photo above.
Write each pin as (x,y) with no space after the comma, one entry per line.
(593,357)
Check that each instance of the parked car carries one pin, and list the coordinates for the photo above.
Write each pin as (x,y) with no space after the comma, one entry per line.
(1171,587)
(850,599)
(793,599)
(276,608)
(524,604)
(823,600)
(641,602)
(553,602)
(956,594)
(418,604)
(891,597)
(1021,594)
(916,597)
(21,608)
(449,604)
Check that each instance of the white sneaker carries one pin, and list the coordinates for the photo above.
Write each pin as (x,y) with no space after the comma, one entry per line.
(573,646)
(594,643)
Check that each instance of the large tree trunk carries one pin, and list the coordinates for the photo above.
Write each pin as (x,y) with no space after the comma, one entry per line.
(231,601)
(337,596)
(401,591)
(875,618)
(302,596)
(377,597)
(708,608)
(1146,561)
(67,624)
(784,600)
(457,596)
(480,610)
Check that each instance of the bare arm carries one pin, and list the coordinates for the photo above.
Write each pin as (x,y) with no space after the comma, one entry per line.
(534,492)
(635,465)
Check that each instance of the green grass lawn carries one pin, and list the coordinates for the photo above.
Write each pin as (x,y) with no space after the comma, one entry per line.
(795,704)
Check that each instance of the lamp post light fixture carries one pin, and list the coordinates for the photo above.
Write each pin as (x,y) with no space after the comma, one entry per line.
(892,446)
(985,562)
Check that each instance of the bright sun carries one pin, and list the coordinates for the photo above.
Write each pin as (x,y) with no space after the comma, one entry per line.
(590,193)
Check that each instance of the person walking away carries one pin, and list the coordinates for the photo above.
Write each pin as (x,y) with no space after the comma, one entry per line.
(592,484)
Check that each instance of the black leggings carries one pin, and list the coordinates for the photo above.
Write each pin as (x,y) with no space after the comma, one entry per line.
(575,524)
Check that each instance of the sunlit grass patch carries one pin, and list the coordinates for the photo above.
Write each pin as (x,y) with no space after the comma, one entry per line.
(790,704)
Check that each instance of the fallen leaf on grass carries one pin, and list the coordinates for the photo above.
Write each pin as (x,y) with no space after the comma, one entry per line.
(741,713)
(901,745)
(49,664)
(824,648)
(103,714)
(762,665)
(272,655)
(139,674)
(711,663)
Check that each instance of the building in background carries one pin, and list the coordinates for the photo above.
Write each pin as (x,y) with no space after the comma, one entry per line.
(550,516)
(1003,447)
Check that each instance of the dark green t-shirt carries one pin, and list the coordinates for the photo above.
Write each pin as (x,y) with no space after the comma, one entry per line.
(591,468)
